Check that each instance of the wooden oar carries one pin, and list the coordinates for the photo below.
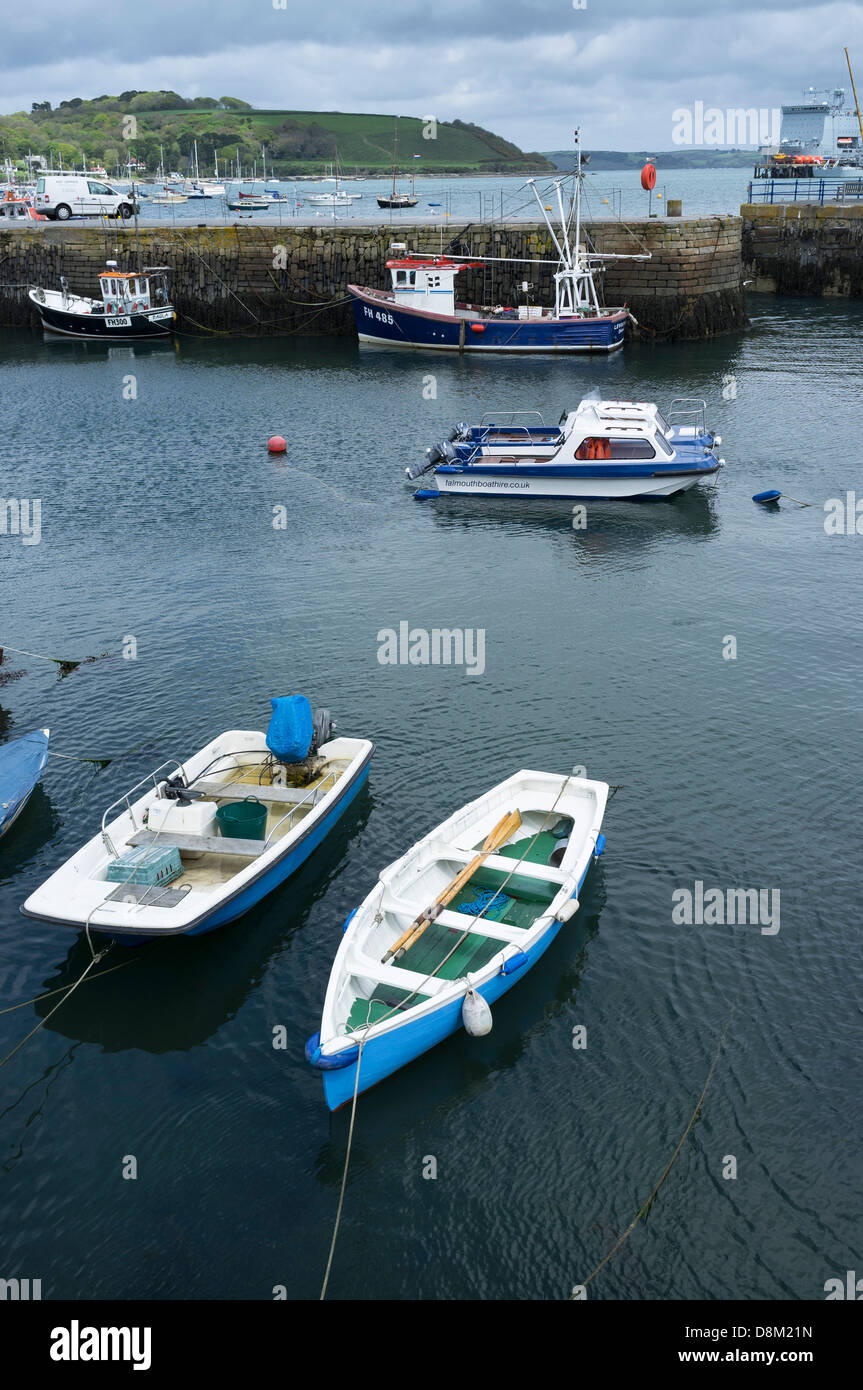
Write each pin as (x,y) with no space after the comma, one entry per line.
(502,832)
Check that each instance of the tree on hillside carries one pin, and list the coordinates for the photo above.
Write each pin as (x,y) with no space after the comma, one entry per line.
(234,104)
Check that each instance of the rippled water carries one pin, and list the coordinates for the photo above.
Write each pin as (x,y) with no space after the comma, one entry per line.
(602,648)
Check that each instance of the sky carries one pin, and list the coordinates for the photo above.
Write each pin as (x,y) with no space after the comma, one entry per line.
(529,70)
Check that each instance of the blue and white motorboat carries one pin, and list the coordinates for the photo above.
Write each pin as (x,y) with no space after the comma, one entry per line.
(21,765)
(453,924)
(420,310)
(609,450)
(210,837)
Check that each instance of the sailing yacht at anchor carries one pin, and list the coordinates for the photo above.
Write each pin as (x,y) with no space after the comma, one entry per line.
(393,199)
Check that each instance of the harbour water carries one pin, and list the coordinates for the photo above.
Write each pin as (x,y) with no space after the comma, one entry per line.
(606,648)
(613,193)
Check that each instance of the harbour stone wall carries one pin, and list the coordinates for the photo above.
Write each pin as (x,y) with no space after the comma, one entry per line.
(801,248)
(261,279)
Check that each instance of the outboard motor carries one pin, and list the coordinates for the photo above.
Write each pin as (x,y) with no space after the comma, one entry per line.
(433,456)
(324,725)
(461,431)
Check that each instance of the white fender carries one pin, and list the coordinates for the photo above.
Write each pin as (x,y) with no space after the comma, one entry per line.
(476,1015)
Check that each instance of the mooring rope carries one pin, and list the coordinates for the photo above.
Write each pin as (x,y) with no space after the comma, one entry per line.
(95,957)
(644,1210)
(338,1220)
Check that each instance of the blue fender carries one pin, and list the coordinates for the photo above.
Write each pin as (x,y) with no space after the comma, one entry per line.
(315,1057)
(513,963)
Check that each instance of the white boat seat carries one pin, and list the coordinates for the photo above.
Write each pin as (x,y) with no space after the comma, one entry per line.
(288,796)
(206,844)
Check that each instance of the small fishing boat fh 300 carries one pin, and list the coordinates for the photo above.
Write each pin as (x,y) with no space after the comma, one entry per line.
(602,450)
(197,843)
(453,925)
(134,304)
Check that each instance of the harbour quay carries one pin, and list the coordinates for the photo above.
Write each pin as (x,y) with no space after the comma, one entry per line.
(257,279)
(804,248)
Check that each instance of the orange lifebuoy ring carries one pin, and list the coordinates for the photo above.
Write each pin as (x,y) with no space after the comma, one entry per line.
(648,176)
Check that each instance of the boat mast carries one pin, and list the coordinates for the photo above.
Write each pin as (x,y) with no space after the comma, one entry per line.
(854,90)
(395,156)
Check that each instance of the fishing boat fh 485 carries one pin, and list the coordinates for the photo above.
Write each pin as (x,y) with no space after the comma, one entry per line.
(420,310)
(197,843)
(453,925)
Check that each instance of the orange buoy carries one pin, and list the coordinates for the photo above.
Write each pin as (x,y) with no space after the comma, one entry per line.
(277,445)
(648,176)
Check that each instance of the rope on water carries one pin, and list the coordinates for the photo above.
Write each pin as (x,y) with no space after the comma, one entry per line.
(65,666)
(344,1176)
(95,956)
(60,988)
(644,1210)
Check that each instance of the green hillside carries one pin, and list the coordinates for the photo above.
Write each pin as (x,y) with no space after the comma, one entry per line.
(107,128)
(695,157)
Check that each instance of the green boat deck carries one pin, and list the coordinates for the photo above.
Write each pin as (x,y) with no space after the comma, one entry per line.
(435,944)
(383,999)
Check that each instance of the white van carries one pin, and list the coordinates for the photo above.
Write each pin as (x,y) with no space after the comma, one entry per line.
(62,196)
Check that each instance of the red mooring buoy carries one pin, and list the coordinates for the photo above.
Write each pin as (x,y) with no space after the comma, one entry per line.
(648,176)
(277,445)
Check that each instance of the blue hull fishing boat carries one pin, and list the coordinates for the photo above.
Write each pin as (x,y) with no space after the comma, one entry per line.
(210,837)
(603,451)
(420,310)
(21,764)
(453,925)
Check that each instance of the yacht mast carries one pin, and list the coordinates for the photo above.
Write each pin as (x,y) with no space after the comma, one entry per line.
(854,90)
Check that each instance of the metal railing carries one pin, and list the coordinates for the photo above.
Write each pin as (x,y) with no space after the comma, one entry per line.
(313,792)
(126,800)
(691,409)
(820,191)
(503,419)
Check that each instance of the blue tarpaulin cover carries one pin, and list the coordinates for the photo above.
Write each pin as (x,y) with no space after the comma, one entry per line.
(21,764)
(291,730)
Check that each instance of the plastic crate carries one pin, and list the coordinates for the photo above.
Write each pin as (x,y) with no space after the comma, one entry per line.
(146,866)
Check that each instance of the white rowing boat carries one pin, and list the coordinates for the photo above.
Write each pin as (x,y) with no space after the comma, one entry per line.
(460,917)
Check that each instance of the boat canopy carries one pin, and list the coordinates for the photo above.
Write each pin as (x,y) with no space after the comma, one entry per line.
(617,429)
(140,288)
(428,282)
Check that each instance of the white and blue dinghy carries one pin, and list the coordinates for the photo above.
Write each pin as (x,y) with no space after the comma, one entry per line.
(603,450)
(453,925)
(22,762)
(210,837)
